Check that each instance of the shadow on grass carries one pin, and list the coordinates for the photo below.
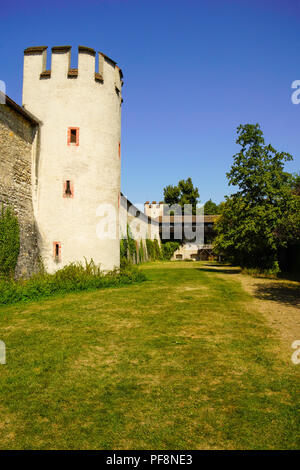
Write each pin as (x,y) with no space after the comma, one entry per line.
(208,268)
(288,295)
(289,276)
(271,290)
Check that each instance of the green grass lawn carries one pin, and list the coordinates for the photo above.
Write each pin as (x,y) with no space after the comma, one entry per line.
(181,361)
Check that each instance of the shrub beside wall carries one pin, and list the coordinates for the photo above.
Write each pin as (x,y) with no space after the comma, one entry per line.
(169,249)
(72,278)
(9,242)
(148,250)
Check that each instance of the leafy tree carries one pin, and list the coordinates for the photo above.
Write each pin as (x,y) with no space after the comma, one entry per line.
(9,241)
(211,208)
(183,193)
(263,215)
(168,249)
(296,184)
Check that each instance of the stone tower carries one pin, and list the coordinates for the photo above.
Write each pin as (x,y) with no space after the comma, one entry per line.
(154,210)
(77,164)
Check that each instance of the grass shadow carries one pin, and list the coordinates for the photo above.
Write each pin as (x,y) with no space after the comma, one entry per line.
(223,270)
(285,294)
(289,276)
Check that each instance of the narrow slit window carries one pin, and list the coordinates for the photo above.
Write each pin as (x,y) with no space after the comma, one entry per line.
(57,251)
(68,189)
(73,136)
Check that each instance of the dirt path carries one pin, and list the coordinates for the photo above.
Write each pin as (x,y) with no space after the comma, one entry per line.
(278,300)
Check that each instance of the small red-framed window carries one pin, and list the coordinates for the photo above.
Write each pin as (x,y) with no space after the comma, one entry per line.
(119,149)
(68,189)
(73,135)
(57,251)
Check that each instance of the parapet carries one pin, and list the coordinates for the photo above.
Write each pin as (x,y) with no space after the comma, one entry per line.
(90,65)
(35,50)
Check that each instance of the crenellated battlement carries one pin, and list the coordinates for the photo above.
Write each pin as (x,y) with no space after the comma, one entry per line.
(90,65)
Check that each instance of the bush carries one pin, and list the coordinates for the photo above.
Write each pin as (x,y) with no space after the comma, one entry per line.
(72,278)
(168,249)
(155,251)
(9,241)
(163,252)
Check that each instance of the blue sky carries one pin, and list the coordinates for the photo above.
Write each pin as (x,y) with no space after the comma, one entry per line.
(193,71)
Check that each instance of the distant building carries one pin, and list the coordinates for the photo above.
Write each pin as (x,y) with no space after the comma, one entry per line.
(180,225)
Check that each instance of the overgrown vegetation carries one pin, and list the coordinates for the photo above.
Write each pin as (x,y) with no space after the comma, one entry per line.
(133,252)
(9,241)
(264,215)
(153,250)
(161,252)
(141,252)
(128,249)
(71,278)
(168,249)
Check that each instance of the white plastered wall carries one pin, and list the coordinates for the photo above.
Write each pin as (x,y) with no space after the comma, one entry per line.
(93,166)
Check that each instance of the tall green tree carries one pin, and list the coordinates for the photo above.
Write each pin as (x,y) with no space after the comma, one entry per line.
(9,241)
(211,208)
(255,221)
(184,193)
(296,184)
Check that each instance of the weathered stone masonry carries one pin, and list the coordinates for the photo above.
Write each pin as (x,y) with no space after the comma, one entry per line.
(17,138)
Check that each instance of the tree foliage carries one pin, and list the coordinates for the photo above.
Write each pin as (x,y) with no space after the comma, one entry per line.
(211,208)
(168,249)
(9,241)
(296,184)
(263,214)
(183,193)
(162,251)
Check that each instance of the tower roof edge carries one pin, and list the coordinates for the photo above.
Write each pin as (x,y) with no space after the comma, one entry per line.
(61,48)
(108,58)
(88,50)
(35,49)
